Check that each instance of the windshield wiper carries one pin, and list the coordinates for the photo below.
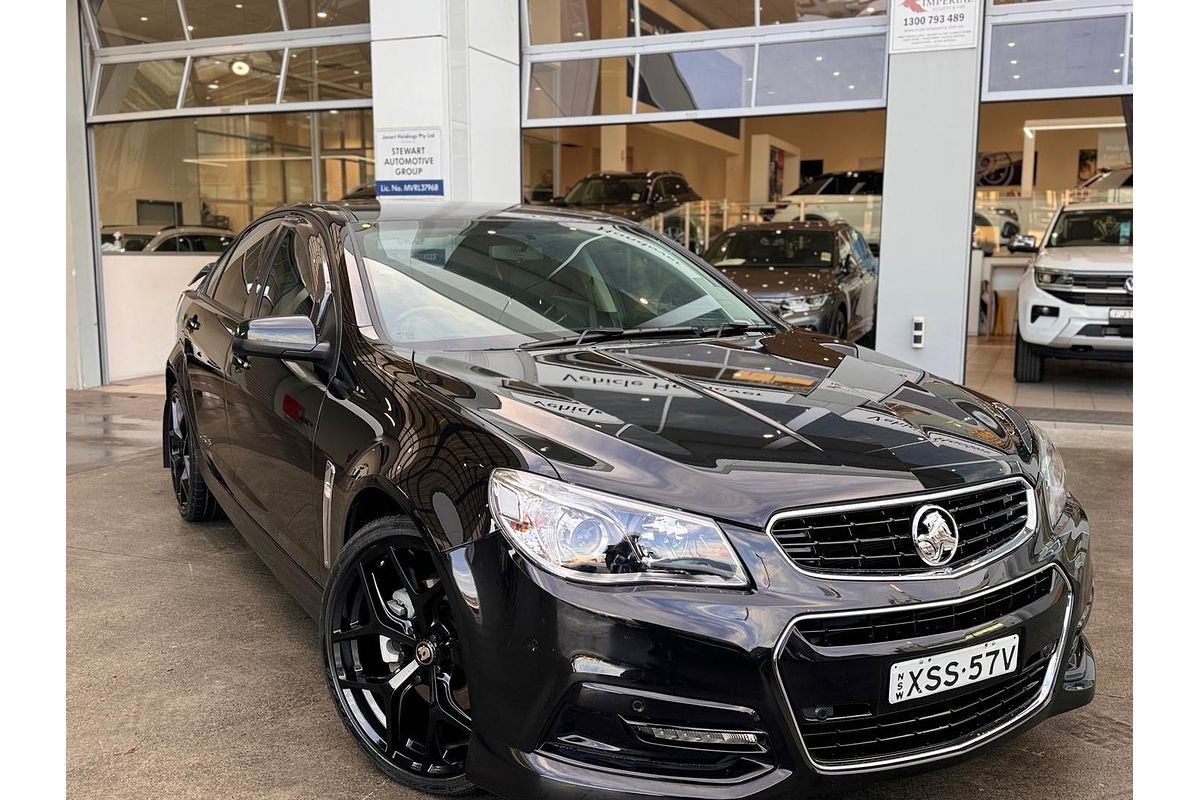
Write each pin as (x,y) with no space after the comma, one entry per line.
(736,328)
(608,334)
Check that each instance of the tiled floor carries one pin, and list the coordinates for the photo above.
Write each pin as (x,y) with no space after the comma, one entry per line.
(1068,384)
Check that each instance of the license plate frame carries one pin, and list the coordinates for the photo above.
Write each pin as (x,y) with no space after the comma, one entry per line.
(913,678)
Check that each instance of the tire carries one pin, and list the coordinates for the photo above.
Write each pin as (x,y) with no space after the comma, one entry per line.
(195,502)
(868,339)
(386,703)
(839,327)
(1027,365)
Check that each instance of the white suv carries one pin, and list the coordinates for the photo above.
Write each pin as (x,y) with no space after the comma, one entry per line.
(1076,298)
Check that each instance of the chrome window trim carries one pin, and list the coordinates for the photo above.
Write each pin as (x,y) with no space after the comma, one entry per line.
(975,741)
(1031,525)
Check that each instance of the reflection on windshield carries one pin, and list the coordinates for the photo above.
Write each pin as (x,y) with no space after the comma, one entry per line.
(605,191)
(510,280)
(1094,228)
(776,248)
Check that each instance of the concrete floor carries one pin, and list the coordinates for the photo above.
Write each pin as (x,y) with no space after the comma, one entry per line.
(191,673)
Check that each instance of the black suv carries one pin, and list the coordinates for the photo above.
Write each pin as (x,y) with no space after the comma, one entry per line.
(579,518)
(632,195)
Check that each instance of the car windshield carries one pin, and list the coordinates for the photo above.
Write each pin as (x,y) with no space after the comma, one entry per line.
(607,189)
(1108,227)
(508,281)
(772,248)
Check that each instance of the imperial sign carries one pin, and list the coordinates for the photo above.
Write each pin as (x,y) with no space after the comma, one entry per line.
(923,25)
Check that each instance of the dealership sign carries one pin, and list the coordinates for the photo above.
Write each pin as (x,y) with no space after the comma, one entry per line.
(917,26)
(409,163)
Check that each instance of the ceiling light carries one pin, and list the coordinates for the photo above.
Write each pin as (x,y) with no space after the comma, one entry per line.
(1117,71)
(355,72)
(214,86)
(145,19)
(240,68)
(852,86)
(835,74)
(1012,44)
(578,34)
(820,58)
(333,111)
(191,27)
(322,15)
(1014,61)
(237,5)
(1016,77)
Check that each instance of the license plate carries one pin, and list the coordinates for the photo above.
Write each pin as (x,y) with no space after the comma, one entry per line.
(922,677)
(1120,313)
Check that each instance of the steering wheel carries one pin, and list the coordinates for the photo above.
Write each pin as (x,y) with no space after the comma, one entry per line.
(445,314)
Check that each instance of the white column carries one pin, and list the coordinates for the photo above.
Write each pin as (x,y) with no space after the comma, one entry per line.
(453,66)
(929,202)
(83,321)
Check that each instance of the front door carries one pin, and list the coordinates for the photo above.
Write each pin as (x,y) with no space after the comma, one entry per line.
(207,327)
(274,403)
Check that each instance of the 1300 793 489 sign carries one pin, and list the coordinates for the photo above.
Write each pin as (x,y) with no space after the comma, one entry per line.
(922,677)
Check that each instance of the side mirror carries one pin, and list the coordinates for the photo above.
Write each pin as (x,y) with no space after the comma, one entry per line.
(1009,229)
(289,338)
(1022,244)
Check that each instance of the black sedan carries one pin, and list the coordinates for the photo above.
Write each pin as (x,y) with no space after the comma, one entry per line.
(580,519)
(816,275)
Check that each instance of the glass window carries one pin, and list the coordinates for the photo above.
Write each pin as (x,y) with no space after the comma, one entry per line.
(697,79)
(608,190)
(1112,227)
(580,87)
(553,21)
(233,283)
(286,291)
(234,80)
(775,248)
(825,71)
(1059,54)
(324,13)
(122,22)
(504,281)
(142,86)
(347,152)
(778,12)
(328,73)
(206,18)
(680,16)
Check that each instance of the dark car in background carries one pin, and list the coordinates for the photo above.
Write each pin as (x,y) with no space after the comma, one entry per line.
(816,275)
(580,518)
(638,196)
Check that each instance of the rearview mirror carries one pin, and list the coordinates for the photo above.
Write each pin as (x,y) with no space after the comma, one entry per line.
(290,338)
(1022,244)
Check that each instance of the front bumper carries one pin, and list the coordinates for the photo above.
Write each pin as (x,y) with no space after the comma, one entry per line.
(570,672)
(1071,330)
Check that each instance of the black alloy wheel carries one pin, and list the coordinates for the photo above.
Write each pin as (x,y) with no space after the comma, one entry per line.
(196,503)
(393,661)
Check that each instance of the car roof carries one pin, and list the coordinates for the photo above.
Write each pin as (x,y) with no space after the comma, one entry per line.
(454,211)
(796,225)
(614,173)
(1097,206)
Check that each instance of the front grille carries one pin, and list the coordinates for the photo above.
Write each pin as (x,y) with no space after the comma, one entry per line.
(1113,299)
(902,625)
(1104,281)
(875,538)
(925,726)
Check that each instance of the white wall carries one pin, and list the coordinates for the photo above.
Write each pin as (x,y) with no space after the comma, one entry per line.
(140,295)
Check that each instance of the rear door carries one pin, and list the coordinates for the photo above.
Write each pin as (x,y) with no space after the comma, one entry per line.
(207,323)
(274,404)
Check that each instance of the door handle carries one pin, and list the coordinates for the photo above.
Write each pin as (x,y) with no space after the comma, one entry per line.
(192,323)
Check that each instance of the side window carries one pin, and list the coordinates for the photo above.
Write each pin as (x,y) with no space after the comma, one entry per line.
(234,284)
(675,187)
(288,291)
(169,245)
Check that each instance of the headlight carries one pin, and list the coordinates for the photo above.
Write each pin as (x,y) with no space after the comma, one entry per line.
(803,305)
(585,535)
(1053,475)
(1052,278)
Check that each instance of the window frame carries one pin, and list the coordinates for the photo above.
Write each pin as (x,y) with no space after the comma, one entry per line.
(212,282)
